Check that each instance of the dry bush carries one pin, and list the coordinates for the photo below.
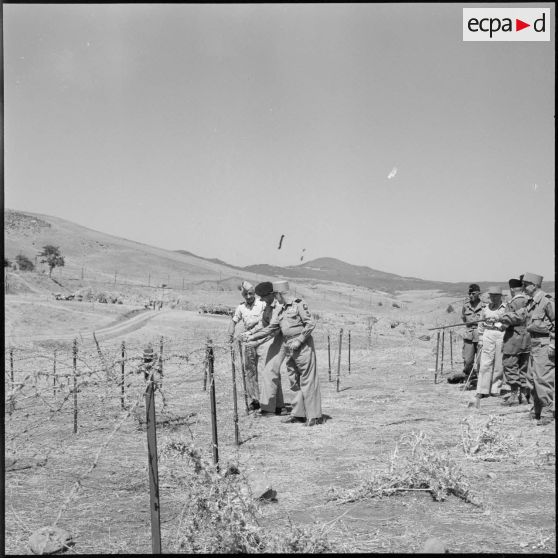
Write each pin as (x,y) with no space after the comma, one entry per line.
(220,515)
(486,439)
(414,465)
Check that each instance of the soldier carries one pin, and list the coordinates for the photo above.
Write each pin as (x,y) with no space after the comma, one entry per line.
(249,313)
(270,355)
(471,312)
(515,349)
(491,335)
(538,316)
(296,324)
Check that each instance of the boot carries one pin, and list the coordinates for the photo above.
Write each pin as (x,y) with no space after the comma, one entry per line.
(526,395)
(513,399)
(476,401)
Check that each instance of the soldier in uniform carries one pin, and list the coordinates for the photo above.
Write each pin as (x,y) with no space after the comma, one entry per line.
(471,312)
(515,349)
(491,336)
(296,324)
(270,355)
(538,316)
(249,313)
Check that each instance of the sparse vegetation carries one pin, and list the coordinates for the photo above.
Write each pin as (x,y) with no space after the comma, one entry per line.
(487,439)
(414,465)
(7,263)
(220,515)
(24,263)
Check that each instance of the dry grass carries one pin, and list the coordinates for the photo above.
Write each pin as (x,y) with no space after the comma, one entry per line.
(414,465)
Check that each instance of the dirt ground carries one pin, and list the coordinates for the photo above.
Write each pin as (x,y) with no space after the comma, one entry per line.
(94,482)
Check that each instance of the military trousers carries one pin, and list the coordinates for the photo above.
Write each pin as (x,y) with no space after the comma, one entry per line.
(304,382)
(491,370)
(515,370)
(271,391)
(252,356)
(541,369)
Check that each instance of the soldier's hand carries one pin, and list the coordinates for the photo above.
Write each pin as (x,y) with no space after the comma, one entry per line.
(294,345)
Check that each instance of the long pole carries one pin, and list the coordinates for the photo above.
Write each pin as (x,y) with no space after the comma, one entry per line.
(328,359)
(437,352)
(243,378)
(339,358)
(235,404)
(75,387)
(152,465)
(213,403)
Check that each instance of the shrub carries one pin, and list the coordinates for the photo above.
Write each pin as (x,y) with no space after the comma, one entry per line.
(414,465)
(24,263)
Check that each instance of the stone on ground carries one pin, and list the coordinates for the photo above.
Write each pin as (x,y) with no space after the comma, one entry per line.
(48,540)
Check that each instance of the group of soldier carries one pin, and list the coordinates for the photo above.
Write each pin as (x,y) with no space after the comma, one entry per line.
(278,328)
(509,348)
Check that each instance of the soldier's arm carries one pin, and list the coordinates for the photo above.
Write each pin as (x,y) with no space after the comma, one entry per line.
(308,322)
(234,320)
(265,332)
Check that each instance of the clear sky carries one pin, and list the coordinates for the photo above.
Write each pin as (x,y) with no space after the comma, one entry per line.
(218,128)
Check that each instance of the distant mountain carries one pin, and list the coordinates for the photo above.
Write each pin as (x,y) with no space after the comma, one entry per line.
(332,269)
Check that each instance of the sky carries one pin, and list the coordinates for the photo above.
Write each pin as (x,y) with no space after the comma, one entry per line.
(218,128)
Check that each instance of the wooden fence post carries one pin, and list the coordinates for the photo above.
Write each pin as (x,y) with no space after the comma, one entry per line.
(152,461)
(205,367)
(328,358)
(235,405)
(161,359)
(75,352)
(339,357)
(243,378)
(210,369)
(451,348)
(12,366)
(54,373)
(122,375)
(437,352)
(349,347)
(442,359)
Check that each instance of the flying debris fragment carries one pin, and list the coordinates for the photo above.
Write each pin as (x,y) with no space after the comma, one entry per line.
(535,186)
(392,173)
(280,242)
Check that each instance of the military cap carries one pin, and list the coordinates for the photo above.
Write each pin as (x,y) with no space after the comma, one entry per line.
(514,283)
(495,290)
(264,289)
(280,286)
(532,278)
(474,288)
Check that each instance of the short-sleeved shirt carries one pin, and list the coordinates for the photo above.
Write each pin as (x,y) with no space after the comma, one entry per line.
(251,315)
(470,314)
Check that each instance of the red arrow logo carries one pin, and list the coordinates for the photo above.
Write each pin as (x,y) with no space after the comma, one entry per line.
(519,25)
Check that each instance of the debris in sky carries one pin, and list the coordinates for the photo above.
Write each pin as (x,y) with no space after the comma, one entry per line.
(535,186)
(280,242)
(302,254)
(392,173)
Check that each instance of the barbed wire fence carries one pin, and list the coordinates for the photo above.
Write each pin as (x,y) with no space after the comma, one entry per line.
(88,391)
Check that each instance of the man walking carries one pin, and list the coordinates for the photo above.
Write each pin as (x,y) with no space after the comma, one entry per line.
(516,349)
(539,314)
